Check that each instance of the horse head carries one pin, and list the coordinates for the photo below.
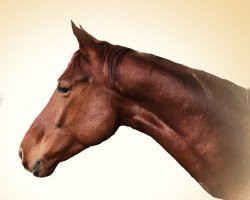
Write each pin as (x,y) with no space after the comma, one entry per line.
(82,111)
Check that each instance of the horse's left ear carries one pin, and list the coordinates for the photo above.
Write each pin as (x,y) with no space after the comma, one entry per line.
(86,41)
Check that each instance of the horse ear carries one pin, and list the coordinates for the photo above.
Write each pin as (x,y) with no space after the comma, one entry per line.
(86,41)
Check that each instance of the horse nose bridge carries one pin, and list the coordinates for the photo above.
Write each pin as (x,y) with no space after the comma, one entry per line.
(33,136)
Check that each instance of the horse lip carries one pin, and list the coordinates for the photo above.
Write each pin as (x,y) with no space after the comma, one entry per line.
(36,167)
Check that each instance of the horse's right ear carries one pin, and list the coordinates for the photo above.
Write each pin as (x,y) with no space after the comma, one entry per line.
(86,41)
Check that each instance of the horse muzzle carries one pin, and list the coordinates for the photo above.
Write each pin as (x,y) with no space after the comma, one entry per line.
(40,168)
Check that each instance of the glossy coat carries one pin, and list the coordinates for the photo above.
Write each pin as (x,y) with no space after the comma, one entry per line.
(201,120)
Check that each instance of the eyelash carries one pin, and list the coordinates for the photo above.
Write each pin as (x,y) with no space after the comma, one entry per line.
(62,89)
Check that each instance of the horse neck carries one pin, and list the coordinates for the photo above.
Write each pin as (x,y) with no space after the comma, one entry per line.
(166,101)
(166,90)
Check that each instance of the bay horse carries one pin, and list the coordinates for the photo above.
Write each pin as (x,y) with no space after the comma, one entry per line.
(201,120)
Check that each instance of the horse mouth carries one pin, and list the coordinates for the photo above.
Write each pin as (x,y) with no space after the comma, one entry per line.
(36,168)
(40,169)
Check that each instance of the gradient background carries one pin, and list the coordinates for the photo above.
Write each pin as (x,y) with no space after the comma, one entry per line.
(36,43)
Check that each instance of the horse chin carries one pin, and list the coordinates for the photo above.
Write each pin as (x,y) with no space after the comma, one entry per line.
(44,174)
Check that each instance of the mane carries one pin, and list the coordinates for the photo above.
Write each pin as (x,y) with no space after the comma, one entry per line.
(114,55)
(75,67)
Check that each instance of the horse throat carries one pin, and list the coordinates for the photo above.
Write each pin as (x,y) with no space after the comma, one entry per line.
(179,148)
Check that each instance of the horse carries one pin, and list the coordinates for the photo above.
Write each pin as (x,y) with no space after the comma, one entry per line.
(201,120)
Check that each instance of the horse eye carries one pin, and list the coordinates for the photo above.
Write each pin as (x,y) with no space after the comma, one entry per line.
(62,89)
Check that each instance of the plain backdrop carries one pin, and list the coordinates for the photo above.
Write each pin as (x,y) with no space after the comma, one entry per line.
(36,44)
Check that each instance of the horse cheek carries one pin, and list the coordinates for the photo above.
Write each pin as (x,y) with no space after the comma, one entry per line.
(98,129)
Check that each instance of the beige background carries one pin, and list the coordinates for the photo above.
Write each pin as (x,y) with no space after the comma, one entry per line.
(36,43)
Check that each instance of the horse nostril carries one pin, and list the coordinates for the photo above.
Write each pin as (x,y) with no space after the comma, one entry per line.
(20,153)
